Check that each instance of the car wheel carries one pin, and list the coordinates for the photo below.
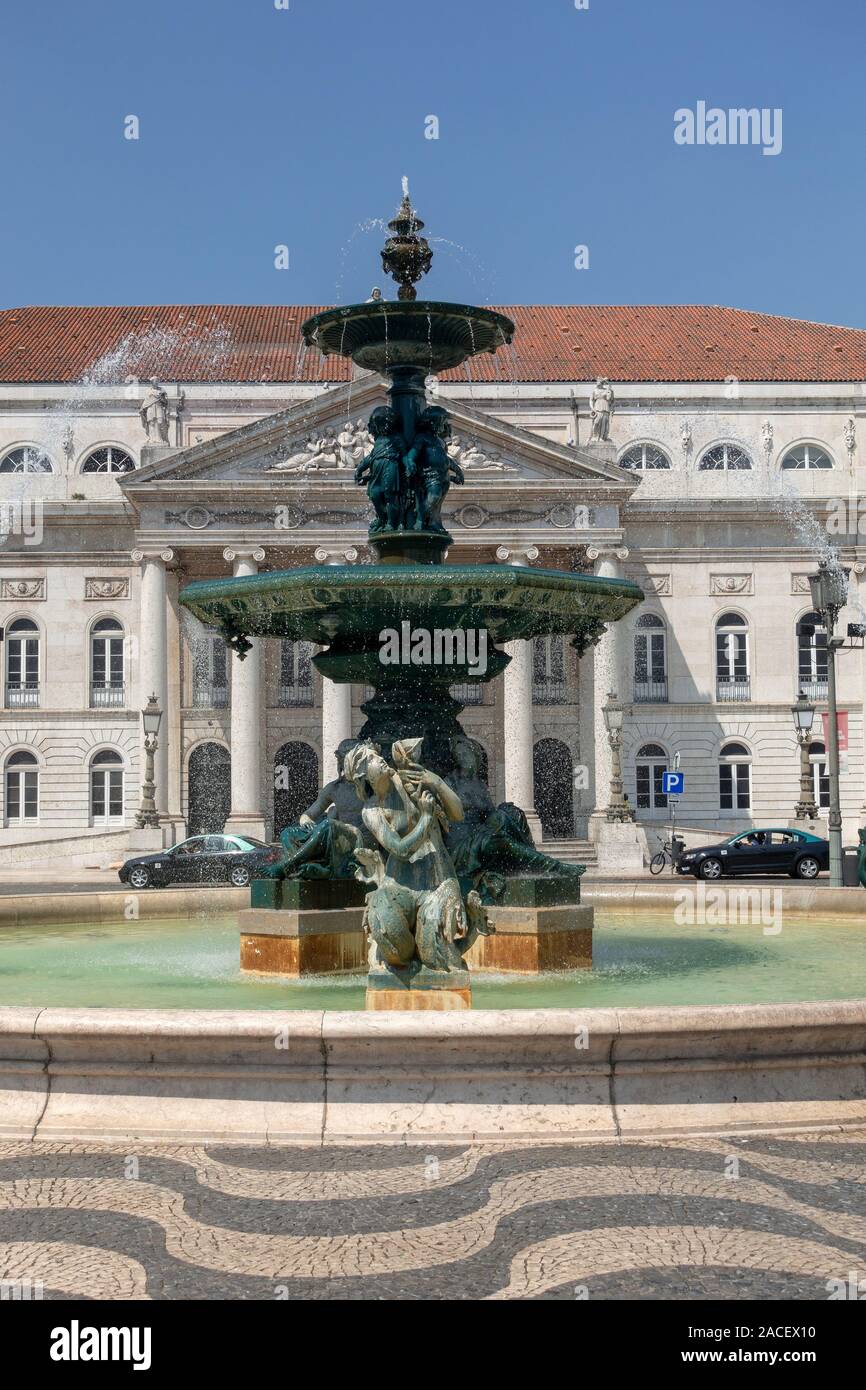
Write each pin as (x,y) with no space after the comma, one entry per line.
(808,867)
(139,877)
(240,876)
(711,868)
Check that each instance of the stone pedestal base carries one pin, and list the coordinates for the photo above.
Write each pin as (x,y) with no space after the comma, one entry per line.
(540,925)
(148,838)
(298,927)
(621,845)
(403,989)
(811,827)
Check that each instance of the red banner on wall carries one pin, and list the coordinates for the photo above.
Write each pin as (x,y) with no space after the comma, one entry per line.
(843,736)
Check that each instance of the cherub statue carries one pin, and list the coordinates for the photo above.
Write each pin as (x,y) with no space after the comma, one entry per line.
(431,469)
(384,472)
(415,913)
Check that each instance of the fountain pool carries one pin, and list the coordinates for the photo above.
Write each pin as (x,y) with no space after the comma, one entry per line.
(641,959)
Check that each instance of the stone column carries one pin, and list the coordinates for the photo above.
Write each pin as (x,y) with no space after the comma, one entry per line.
(519,730)
(246,816)
(153,664)
(172,721)
(609,673)
(336,699)
(857,601)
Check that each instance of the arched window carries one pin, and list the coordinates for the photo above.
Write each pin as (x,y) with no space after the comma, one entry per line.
(106,787)
(549,686)
(26,459)
(210,680)
(644,457)
(106,664)
(22,664)
(296,672)
(735,778)
(820,775)
(728,456)
(109,459)
(22,789)
(732,658)
(650,660)
(812,656)
(650,766)
(807,456)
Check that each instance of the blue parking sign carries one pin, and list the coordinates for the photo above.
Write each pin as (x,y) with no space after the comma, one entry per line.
(673,783)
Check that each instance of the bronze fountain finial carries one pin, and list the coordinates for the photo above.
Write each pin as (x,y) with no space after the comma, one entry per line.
(406,256)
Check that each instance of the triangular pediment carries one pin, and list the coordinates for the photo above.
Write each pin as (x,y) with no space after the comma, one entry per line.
(318,442)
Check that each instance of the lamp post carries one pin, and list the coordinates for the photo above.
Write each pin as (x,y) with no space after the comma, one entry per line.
(804,717)
(151,717)
(618,808)
(829,588)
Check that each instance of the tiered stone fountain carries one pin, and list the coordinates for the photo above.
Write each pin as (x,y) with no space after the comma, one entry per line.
(309,917)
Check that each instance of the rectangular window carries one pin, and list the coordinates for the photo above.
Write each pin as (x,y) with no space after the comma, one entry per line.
(115,793)
(734,786)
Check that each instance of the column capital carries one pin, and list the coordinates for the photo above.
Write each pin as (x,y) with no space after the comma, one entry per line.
(152,553)
(607,552)
(244,552)
(336,555)
(517,554)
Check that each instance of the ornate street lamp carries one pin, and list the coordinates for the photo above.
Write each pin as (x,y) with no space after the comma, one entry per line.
(618,808)
(151,717)
(804,717)
(829,588)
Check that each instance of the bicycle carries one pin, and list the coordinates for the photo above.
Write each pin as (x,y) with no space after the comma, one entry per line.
(668,854)
(660,860)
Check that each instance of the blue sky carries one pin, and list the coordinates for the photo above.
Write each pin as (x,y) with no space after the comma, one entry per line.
(261,127)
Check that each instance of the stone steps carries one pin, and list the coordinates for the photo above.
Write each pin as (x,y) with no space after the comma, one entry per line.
(571,851)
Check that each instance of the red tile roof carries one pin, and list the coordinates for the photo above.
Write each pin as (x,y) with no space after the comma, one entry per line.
(688,342)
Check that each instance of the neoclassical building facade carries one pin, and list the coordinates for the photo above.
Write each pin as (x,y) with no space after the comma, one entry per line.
(734,461)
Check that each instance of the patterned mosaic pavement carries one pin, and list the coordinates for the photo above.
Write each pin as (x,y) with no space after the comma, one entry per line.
(763,1218)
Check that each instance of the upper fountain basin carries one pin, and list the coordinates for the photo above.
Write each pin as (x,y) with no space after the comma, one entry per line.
(407,333)
(328,603)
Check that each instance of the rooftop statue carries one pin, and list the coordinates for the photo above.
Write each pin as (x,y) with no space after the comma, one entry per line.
(600,408)
(153,413)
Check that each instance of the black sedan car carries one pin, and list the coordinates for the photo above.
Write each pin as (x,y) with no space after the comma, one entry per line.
(231,859)
(793,852)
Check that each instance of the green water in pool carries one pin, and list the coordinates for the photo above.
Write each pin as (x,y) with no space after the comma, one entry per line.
(641,959)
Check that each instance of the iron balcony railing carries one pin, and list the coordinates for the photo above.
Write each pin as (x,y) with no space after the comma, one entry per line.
(210,696)
(296,694)
(733,691)
(651,692)
(467,692)
(110,695)
(22,694)
(813,689)
(551,692)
